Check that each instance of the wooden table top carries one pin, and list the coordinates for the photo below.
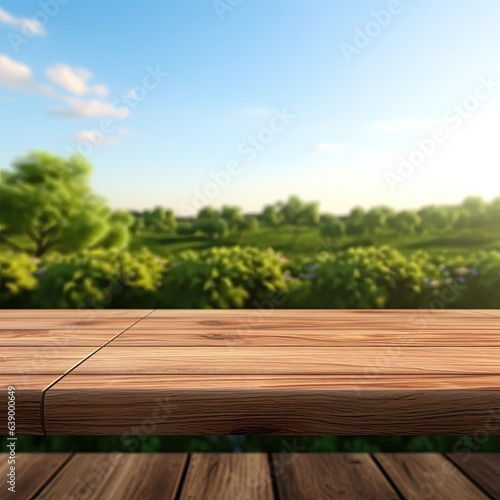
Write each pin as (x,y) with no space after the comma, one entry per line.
(288,372)
(254,476)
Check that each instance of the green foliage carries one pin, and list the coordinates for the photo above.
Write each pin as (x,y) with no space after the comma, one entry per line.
(212,228)
(99,279)
(249,224)
(16,278)
(48,200)
(222,277)
(332,227)
(367,278)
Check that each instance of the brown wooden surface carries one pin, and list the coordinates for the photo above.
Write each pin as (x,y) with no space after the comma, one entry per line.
(228,476)
(291,361)
(251,476)
(289,371)
(324,476)
(428,475)
(56,338)
(33,472)
(482,468)
(96,476)
(28,400)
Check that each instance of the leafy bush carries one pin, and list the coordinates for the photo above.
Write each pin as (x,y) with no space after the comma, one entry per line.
(99,279)
(367,278)
(222,277)
(16,279)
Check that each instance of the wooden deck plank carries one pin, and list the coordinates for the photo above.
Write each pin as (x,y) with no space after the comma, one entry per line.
(287,337)
(194,405)
(96,476)
(28,402)
(66,324)
(242,325)
(59,338)
(289,360)
(228,476)
(482,468)
(428,475)
(313,313)
(50,359)
(328,476)
(76,314)
(32,472)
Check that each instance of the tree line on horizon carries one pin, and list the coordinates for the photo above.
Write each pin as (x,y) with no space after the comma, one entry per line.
(48,201)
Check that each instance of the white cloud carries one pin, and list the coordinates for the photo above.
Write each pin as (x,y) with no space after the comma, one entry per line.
(78,108)
(327,147)
(29,27)
(95,137)
(17,76)
(403,124)
(257,112)
(74,80)
(98,138)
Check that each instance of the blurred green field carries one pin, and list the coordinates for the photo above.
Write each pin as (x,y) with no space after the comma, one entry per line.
(307,241)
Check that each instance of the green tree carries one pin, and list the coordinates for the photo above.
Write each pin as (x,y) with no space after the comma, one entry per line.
(271,216)
(208,213)
(404,222)
(48,200)
(332,227)
(212,228)
(435,218)
(355,221)
(233,217)
(249,224)
(375,220)
(292,210)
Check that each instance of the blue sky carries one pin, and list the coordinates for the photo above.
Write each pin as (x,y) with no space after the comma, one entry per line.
(322,99)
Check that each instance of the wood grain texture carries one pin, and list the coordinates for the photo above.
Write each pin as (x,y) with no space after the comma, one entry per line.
(428,475)
(281,336)
(74,314)
(226,476)
(57,338)
(252,476)
(28,394)
(269,372)
(49,359)
(182,405)
(328,476)
(65,324)
(482,468)
(96,476)
(289,360)
(33,472)
(315,313)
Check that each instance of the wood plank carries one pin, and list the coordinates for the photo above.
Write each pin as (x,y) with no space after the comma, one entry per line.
(66,324)
(285,405)
(33,471)
(483,468)
(51,359)
(60,338)
(428,475)
(289,360)
(210,336)
(328,476)
(248,324)
(228,476)
(312,313)
(28,399)
(123,476)
(79,314)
